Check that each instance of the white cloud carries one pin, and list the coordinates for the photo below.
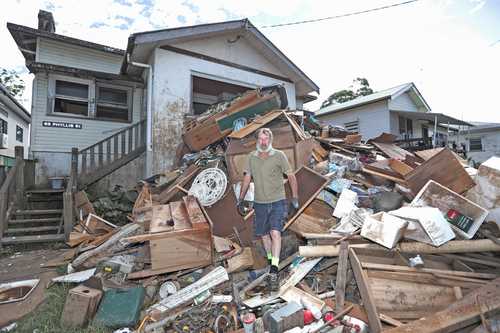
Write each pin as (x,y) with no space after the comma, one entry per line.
(440,45)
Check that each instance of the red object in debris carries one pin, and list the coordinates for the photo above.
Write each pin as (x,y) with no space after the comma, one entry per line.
(328,316)
(308,317)
(248,318)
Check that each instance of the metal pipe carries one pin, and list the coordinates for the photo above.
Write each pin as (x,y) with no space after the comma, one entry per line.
(149,115)
(435,131)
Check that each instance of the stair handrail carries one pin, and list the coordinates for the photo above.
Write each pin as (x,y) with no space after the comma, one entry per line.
(12,189)
(68,209)
(123,130)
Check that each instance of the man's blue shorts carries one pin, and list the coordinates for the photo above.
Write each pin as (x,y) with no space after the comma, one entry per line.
(269,216)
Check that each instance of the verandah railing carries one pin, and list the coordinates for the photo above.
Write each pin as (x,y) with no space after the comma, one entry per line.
(109,154)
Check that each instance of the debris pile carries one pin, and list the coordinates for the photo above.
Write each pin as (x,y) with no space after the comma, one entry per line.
(384,239)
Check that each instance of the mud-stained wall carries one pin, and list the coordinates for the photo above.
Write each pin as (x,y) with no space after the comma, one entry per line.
(127,176)
(167,131)
(172,97)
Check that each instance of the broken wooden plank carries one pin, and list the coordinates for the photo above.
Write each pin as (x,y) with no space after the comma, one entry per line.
(194,212)
(407,300)
(294,294)
(428,278)
(161,220)
(397,268)
(460,314)
(188,248)
(257,123)
(443,168)
(240,262)
(180,216)
(388,320)
(341,276)
(391,150)
(400,167)
(183,179)
(459,246)
(309,184)
(83,204)
(384,175)
(366,294)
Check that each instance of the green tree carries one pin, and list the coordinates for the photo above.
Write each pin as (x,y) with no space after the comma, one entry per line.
(359,87)
(12,81)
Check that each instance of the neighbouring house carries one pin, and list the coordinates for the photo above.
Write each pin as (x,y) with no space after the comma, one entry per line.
(124,109)
(14,128)
(480,142)
(401,111)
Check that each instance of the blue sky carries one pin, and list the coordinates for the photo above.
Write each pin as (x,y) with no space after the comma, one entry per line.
(448,48)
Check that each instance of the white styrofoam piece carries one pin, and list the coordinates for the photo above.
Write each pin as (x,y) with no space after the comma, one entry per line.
(346,203)
(384,229)
(75,277)
(18,284)
(212,279)
(432,221)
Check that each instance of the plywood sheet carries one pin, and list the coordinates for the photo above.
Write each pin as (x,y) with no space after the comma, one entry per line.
(225,217)
(179,215)
(309,184)
(443,168)
(189,248)
(391,150)
(161,219)
(409,300)
(194,212)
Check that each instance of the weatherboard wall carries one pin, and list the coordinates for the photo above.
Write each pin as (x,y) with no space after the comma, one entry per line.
(57,53)
(373,119)
(51,146)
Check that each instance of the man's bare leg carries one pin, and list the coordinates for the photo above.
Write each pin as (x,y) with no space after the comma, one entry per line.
(276,245)
(266,240)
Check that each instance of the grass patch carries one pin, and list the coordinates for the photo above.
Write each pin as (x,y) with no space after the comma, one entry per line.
(46,319)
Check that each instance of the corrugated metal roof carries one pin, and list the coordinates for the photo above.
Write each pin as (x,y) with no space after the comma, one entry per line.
(482,128)
(377,96)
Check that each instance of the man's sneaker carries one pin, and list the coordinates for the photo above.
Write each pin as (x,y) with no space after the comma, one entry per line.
(274,281)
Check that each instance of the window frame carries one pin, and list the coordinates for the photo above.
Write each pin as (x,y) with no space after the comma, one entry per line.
(480,144)
(52,96)
(92,100)
(350,124)
(129,106)
(22,133)
(4,129)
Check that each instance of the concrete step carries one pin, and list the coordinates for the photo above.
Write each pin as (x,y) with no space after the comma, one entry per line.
(44,191)
(41,220)
(39,212)
(32,239)
(11,231)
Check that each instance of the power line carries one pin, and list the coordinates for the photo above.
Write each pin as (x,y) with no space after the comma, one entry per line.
(342,15)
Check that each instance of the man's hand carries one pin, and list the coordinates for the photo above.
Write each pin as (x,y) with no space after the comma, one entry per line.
(240,205)
(294,206)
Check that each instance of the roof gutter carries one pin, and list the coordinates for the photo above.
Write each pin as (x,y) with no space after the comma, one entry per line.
(149,114)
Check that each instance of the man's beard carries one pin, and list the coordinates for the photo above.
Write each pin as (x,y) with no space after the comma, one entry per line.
(260,149)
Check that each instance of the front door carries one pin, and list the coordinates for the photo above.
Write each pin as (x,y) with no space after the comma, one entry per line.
(425,134)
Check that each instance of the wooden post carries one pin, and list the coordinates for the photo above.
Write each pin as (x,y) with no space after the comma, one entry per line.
(4,202)
(19,153)
(74,168)
(67,213)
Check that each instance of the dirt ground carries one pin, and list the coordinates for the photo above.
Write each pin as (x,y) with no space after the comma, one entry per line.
(22,266)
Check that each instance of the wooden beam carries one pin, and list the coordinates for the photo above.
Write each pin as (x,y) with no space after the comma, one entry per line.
(341,276)
(396,268)
(459,246)
(366,294)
